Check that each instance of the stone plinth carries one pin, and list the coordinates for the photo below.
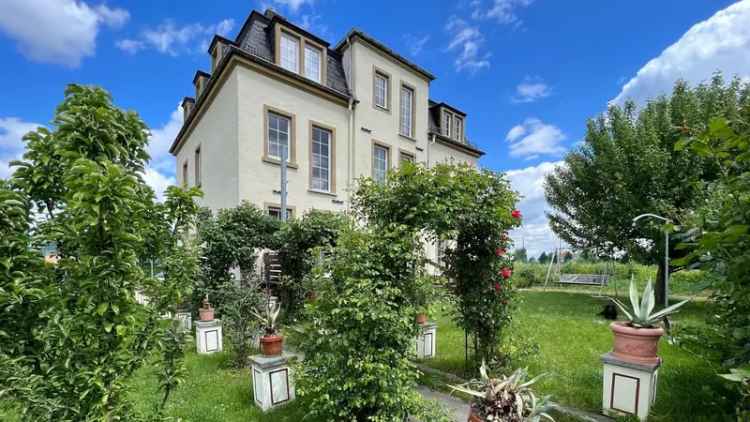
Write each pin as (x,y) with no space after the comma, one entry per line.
(273,383)
(186,321)
(426,341)
(208,336)
(629,388)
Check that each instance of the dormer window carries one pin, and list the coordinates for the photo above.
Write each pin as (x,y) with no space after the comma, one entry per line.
(313,63)
(458,130)
(289,46)
(452,125)
(300,54)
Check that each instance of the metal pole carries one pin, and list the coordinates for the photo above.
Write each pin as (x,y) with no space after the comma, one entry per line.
(666,268)
(283,183)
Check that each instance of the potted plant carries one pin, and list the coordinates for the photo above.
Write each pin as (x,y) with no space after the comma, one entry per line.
(206,312)
(637,339)
(271,343)
(508,398)
(424,295)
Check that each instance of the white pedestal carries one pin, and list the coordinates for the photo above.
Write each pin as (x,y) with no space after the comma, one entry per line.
(273,384)
(208,338)
(186,321)
(629,388)
(426,341)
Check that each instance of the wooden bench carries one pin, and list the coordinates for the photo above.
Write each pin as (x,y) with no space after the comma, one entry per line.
(585,279)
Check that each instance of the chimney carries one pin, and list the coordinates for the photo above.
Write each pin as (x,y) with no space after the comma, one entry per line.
(200,80)
(187,107)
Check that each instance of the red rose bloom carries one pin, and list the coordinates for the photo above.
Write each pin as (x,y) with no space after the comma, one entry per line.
(515,214)
(506,273)
(498,287)
(500,251)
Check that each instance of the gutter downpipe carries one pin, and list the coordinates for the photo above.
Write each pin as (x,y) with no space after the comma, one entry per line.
(351,150)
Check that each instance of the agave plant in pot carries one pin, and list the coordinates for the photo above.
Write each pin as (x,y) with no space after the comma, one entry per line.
(271,343)
(637,339)
(507,398)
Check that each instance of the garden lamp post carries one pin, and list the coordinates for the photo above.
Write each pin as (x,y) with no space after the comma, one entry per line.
(666,252)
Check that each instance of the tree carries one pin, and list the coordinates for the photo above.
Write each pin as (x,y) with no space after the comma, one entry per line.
(718,238)
(543,258)
(361,332)
(75,329)
(627,165)
(520,255)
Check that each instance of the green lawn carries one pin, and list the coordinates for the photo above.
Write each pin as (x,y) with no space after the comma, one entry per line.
(571,337)
(211,392)
(565,325)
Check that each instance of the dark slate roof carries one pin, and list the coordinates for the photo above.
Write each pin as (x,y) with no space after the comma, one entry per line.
(257,38)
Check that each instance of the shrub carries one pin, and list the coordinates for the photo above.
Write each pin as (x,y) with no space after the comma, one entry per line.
(361,332)
(238,307)
(300,241)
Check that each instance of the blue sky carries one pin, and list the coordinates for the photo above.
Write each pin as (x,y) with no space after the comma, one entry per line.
(528,72)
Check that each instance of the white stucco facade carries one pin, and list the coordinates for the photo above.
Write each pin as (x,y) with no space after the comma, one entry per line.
(229,123)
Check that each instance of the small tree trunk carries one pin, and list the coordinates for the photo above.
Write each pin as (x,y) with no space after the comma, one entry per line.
(660,286)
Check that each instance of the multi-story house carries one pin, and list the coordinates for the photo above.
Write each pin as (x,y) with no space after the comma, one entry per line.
(339,112)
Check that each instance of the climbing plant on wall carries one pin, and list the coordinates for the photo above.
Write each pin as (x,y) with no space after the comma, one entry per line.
(472,210)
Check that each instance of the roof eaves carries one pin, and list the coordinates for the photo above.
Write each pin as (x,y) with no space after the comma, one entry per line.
(469,149)
(234,50)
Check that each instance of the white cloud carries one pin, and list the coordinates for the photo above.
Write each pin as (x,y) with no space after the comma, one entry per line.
(130,46)
(293,5)
(174,40)
(501,11)
(534,138)
(161,139)
(415,44)
(467,41)
(721,42)
(312,24)
(158,182)
(12,130)
(535,233)
(531,89)
(57,31)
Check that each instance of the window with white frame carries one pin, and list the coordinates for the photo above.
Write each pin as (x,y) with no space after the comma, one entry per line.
(380,89)
(459,129)
(279,129)
(289,52)
(407,111)
(313,63)
(406,157)
(380,163)
(321,159)
(447,124)
(275,212)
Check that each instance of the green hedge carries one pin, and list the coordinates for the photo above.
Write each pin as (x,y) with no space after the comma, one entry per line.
(530,274)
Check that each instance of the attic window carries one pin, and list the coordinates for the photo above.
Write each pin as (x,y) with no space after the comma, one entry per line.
(289,46)
(313,63)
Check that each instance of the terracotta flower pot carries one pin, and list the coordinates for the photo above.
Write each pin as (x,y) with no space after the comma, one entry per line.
(421,318)
(473,417)
(206,314)
(638,345)
(271,345)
